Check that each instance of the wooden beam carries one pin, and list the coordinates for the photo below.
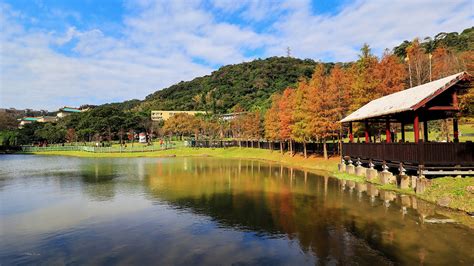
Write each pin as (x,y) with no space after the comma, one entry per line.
(443,108)
(403,131)
(455,129)
(351,135)
(455,99)
(425,131)
(387,131)
(367,137)
(416,128)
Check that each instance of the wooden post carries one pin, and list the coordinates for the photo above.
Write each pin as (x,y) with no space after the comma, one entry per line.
(367,138)
(425,131)
(416,128)
(351,135)
(455,129)
(455,99)
(387,131)
(403,131)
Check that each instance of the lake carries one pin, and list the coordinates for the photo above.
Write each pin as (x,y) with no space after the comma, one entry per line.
(206,211)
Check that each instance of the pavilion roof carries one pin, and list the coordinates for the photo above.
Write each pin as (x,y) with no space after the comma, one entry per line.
(402,101)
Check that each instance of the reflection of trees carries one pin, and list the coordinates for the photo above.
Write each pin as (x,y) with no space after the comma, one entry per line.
(325,220)
(97,177)
(262,202)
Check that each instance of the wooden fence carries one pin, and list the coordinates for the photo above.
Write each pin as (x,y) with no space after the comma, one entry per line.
(427,154)
(118,149)
(311,148)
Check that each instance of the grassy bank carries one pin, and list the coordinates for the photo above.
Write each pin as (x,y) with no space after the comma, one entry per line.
(447,191)
(312,163)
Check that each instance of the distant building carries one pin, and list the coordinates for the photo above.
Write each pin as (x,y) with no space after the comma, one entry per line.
(63,112)
(27,120)
(44,119)
(231,116)
(39,119)
(165,115)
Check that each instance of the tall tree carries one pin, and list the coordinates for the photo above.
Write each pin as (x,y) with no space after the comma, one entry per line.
(285,106)
(7,121)
(363,83)
(445,63)
(70,135)
(338,81)
(325,112)
(389,74)
(418,63)
(301,114)
(272,121)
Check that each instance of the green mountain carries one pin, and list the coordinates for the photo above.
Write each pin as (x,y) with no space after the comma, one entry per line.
(456,42)
(247,84)
(251,84)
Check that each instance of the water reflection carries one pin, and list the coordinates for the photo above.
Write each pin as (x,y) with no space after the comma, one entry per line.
(208,211)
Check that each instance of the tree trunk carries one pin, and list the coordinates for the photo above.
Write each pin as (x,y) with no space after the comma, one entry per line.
(291,147)
(304,149)
(281,147)
(325,149)
(270,146)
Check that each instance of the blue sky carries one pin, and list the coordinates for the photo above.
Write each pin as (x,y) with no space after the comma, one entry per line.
(71,52)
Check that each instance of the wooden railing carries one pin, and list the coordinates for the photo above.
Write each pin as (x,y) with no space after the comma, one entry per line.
(428,154)
(116,149)
(311,147)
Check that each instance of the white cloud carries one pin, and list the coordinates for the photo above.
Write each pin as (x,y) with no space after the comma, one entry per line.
(382,24)
(159,43)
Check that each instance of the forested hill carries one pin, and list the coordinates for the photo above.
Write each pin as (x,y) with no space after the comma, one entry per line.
(455,42)
(251,84)
(248,84)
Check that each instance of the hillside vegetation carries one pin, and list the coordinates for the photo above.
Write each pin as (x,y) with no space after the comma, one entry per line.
(307,98)
(251,84)
(248,84)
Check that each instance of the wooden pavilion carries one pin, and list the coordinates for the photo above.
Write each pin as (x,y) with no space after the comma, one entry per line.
(417,105)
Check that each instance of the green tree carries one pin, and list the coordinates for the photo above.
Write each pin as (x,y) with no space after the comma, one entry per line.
(301,114)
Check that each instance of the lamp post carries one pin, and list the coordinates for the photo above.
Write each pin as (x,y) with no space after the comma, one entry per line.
(430,56)
(407,59)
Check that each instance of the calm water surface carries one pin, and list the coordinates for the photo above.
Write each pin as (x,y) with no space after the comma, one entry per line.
(61,210)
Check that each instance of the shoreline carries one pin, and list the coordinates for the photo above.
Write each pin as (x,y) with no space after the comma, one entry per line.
(452,192)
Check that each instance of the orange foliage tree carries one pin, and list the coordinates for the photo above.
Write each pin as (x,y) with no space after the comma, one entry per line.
(363,84)
(389,74)
(272,121)
(285,106)
(325,106)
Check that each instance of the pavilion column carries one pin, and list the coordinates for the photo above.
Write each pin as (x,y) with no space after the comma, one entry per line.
(367,137)
(456,130)
(351,135)
(416,128)
(425,131)
(403,131)
(387,131)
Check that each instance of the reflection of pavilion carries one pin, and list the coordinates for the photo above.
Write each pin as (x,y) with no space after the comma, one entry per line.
(431,101)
